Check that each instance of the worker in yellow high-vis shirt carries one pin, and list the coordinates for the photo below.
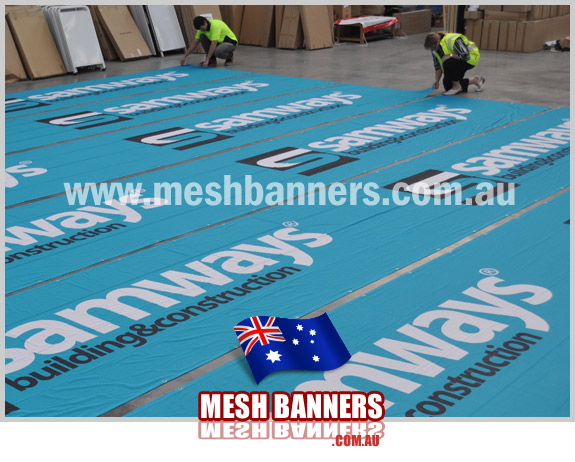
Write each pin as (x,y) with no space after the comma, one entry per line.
(453,55)
(216,38)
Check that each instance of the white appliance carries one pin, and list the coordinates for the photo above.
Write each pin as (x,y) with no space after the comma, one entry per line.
(75,36)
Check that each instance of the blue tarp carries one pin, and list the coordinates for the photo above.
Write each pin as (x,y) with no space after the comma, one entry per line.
(367,243)
(142,231)
(137,150)
(99,335)
(77,94)
(107,116)
(502,299)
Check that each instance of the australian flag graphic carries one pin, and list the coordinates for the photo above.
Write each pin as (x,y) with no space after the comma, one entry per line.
(272,344)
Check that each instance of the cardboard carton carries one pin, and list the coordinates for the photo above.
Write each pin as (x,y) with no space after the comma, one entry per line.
(491,7)
(373,10)
(317,28)
(291,35)
(35,44)
(536,33)
(342,11)
(505,16)
(478,14)
(106,46)
(507,34)
(414,22)
(356,10)
(258,25)
(206,10)
(517,8)
(122,31)
(12,8)
(474,30)
(233,16)
(535,13)
(331,21)
(279,15)
(490,35)
(553,11)
(14,68)
(186,15)
(520,36)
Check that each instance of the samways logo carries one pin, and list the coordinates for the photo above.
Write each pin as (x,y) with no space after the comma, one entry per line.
(116,114)
(342,149)
(32,344)
(306,161)
(24,169)
(44,99)
(178,138)
(181,138)
(280,113)
(478,318)
(521,157)
(489,169)
(20,104)
(73,226)
(442,186)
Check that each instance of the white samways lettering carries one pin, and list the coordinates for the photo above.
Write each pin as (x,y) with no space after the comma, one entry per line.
(32,342)
(281,110)
(105,87)
(22,169)
(378,132)
(372,368)
(83,217)
(182,98)
(510,155)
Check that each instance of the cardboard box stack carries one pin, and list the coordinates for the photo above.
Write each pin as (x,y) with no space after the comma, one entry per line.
(520,28)
(289,26)
(373,10)
(414,22)
(14,68)
(233,16)
(34,44)
(122,32)
(342,12)
(187,13)
(281,26)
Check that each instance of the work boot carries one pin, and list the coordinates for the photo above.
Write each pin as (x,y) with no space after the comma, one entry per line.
(229,60)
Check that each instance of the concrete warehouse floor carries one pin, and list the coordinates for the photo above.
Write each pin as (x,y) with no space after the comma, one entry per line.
(540,78)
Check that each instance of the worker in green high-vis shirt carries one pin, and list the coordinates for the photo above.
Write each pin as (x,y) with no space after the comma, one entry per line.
(216,38)
(453,55)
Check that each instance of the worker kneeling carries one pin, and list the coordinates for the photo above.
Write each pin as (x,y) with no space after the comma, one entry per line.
(216,38)
(453,55)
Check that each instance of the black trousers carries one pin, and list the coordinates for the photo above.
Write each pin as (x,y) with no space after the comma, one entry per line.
(454,69)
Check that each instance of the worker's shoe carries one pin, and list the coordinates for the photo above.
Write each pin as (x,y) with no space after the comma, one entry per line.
(453,92)
(229,60)
(481,83)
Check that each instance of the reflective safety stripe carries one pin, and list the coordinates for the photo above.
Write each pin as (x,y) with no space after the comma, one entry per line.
(436,54)
(448,42)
